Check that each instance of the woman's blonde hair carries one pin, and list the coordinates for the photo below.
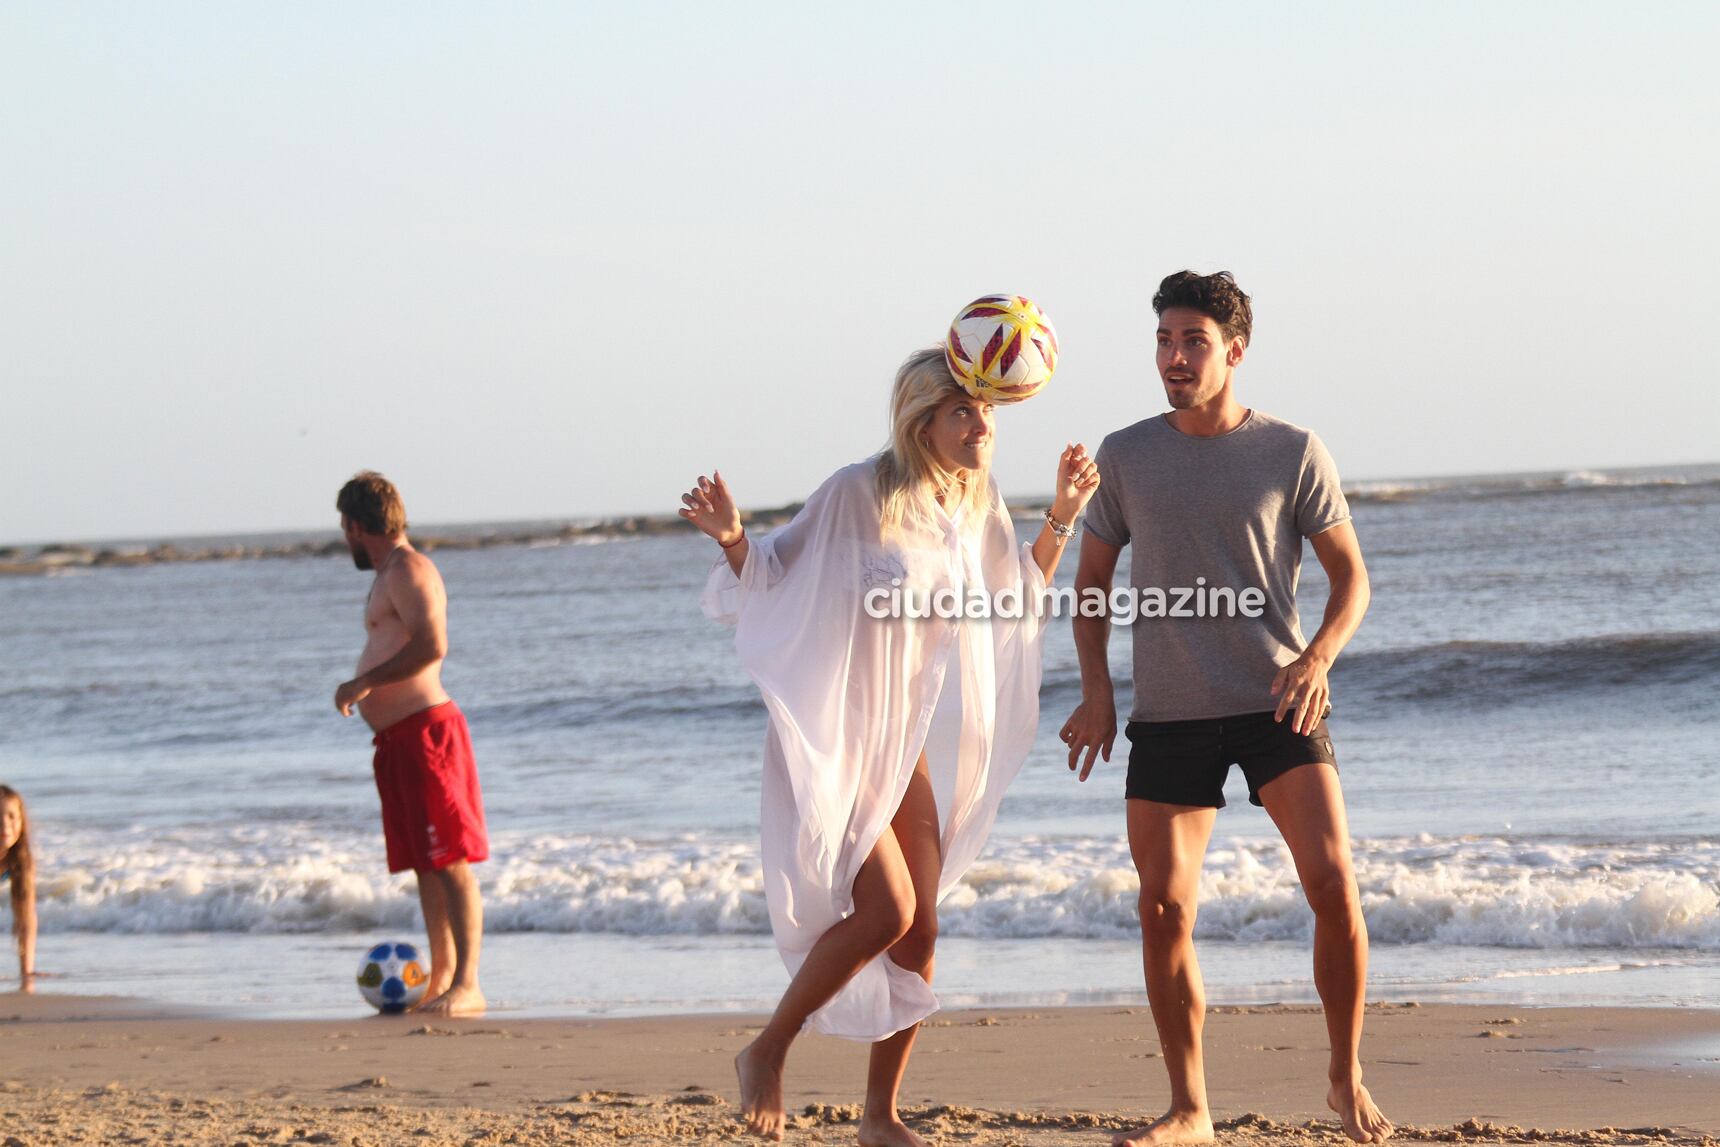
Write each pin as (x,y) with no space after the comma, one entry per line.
(908,476)
(19,862)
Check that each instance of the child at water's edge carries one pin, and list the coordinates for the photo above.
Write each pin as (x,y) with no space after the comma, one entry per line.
(18,870)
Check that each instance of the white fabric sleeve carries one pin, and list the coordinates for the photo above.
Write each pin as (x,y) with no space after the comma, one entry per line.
(769,558)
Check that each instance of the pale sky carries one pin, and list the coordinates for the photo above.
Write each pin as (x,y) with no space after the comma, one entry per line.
(555,260)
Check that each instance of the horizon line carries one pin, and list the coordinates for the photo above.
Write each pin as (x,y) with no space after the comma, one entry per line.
(1349,485)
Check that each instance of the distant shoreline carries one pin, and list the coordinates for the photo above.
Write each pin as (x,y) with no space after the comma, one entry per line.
(59,557)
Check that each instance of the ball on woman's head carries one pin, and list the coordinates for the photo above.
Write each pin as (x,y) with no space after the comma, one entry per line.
(1001,348)
(391,978)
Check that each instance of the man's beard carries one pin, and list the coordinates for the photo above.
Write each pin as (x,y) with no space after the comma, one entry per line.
(361,557)
(1187,396)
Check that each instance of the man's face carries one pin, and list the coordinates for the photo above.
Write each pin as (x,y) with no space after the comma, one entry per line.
(360,555)
(1194,357)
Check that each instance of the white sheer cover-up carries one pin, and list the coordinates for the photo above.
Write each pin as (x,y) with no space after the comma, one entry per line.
(851,701)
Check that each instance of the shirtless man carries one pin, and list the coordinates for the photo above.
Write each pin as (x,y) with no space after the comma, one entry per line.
(1216,500)
(432,812)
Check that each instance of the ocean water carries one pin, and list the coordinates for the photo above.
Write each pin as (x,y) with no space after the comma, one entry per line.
(1527,727)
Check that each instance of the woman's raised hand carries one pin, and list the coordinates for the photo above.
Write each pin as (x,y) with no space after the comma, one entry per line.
(1077,479)
(709,507)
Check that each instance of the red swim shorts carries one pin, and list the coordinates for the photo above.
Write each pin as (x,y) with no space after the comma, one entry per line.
(432,811)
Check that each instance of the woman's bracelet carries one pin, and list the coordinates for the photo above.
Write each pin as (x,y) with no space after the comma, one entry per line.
(1058,528)
(737,541)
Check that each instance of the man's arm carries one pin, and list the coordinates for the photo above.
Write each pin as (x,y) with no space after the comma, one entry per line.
(1093,725)
(414,591)
(1302,684)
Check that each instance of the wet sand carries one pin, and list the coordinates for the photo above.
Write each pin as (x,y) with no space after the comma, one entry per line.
(84,1070)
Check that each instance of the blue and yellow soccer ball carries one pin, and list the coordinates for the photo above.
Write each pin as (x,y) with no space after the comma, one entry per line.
(391,977)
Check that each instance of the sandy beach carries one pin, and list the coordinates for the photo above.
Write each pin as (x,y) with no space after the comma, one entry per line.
(86,1070)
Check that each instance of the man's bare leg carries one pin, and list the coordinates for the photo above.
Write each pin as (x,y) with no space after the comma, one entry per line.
(1168,843)
(464,907)
(917,833)
(441,935)
(883,913)
(1307,805)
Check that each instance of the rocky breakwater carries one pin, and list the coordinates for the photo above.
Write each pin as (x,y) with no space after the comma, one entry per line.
(68,557)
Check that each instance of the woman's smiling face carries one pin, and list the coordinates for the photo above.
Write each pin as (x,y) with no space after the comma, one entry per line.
(11,823)
(960,434)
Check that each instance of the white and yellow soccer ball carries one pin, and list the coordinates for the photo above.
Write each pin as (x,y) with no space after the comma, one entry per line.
(1001,348)
(391,977)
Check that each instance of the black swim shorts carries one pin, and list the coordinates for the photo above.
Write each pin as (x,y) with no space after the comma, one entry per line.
(1185,762)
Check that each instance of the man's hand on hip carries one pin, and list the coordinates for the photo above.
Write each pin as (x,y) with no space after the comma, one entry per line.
(1301,686)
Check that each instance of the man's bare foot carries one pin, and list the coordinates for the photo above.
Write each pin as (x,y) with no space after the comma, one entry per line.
(890,1132)
(455,1002)
(761,1092)
(1171,1127)
(1355,1107)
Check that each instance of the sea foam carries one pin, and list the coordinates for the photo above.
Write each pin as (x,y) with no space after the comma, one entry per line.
(1477,891)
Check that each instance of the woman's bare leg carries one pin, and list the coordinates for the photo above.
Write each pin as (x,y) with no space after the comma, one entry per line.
(917,834)
(883,913)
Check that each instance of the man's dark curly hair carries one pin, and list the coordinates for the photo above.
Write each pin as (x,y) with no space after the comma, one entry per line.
(1216,296)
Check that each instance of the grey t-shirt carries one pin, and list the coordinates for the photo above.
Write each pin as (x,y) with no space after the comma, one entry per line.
(1206,515)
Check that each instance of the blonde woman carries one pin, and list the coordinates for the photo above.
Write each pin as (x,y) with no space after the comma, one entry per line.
(891,737)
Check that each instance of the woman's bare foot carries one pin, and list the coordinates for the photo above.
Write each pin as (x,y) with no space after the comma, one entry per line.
(761,1091)
(1171,1127)
(434,991)
(1355,1107)
(457,1001)
(887,1132)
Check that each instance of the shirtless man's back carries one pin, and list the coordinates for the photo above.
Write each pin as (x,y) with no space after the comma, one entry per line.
(432,809)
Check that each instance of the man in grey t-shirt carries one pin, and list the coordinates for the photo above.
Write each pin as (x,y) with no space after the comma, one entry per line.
(1214,500)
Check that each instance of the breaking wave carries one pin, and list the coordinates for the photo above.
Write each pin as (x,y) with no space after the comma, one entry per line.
(1471,891)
